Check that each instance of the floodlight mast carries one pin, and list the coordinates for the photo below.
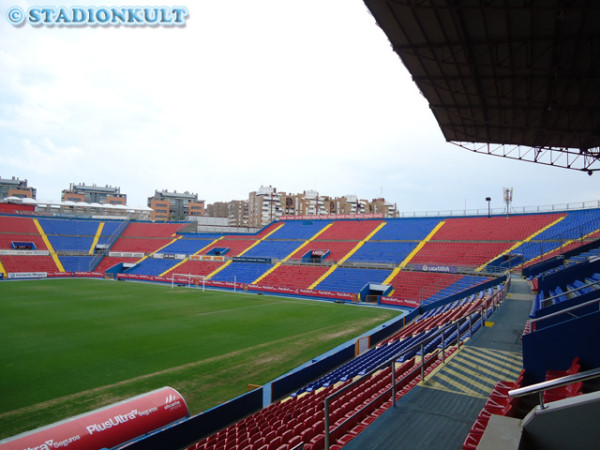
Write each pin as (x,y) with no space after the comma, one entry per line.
(508,196)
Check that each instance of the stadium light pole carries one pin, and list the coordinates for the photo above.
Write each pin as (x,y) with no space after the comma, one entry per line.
(508,196)
(489,199)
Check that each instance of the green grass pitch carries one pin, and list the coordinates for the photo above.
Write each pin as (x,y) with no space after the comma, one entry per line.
(71,346)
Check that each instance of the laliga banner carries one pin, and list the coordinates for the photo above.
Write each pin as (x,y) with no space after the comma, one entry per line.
(106,427)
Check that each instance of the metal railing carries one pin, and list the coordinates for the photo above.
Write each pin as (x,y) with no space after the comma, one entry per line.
(490,303)
(111,240)
(540,388)
(574,206)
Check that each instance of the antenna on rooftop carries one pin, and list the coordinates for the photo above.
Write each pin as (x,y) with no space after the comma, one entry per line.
(508,196)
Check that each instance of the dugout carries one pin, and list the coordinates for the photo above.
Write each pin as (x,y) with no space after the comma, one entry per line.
(372,292)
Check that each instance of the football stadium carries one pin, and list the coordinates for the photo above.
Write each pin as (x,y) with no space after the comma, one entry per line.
(332,331)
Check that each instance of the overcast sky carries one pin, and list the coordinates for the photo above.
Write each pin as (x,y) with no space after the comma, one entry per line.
(300,95)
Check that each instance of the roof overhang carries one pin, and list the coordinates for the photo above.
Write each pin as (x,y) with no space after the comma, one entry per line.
(498,73)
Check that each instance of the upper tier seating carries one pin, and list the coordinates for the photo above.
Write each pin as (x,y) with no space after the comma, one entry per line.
(152,230)
(352,230)
(272,249)
(338,249)
(235,246)
(513,228)
(7,239)
(139,245)
(406,230)
(383,252)
(70,227)
(299,229)
(11,224)
(186,246)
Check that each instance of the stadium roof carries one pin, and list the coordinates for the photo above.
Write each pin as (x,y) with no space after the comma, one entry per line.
(512,78)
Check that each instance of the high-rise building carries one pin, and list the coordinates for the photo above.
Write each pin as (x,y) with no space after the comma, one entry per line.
(14,187)
(175,205)
(238,213)
(264,206)
(94,194)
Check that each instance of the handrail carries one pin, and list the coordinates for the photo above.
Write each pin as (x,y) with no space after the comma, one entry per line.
(569,291)
(564,311)
(491,302)
(540,388)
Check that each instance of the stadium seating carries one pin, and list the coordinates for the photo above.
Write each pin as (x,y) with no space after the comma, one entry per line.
(6,240)
(294,276)
(235,246)
(352,280)
(338,249)
(186,246)
(413,229)
(76,263)
(355,230)
(152,266)
(299,229)
(139,245)
(241,272)
(21,264)
(421,285)
(69,227)
(152,230)
(497,228)
(111,261)
(272,249)
(193,267)
(470,254)
(11,224)
(383,252)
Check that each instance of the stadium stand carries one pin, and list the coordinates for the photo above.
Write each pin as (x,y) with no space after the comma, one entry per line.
(294,276)
(337,249)
(152,230)
(354,230)
(233,247)
(11,224)
(465,254)
(352,280)
(76,263)
(411,229)
(239,272)
(186,245)
(9,241)
(152,266)
(465,244)
(299,229)
(514,228)
(383,252)
(272,249)
(194,267)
